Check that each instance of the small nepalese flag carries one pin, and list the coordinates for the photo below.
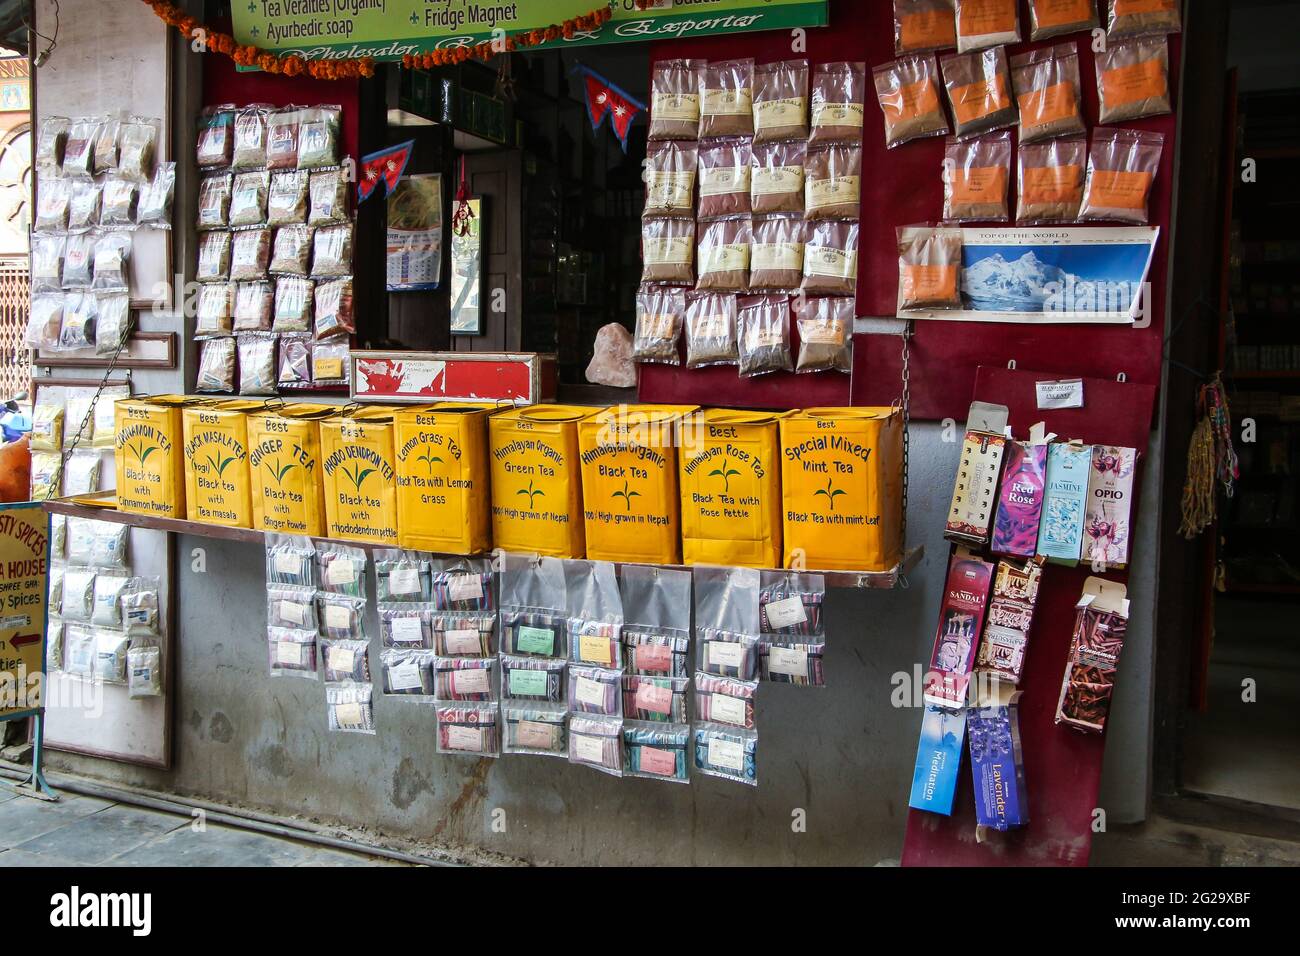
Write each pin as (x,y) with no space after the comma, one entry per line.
(385,166)
(604,98)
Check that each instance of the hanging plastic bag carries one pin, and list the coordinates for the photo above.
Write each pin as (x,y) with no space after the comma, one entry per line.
(597,742)
(670,172)
(1051,177)
(656,751)
(349,708)
(725,700)
(464,678)
(674,99)
(979,91)
(764,335)
(727,98)
(1050,18)
(668,251)
(976,174)
(729,754)
(536,729)
(833,182)
(923,25)
(144,671)
(723,255)
(1133,80)
(290,560)
(345,661)
(468,730)
(407,672)
(1122,166)
(657,613)
(839,92)
(292,652)
(216,366)
(830,258)
(537,679)
(776,255)
(1046,84)
(825,327)
(659,316)
(724,174)
(342,568)
(985,23)
(776,182)
(533,606)
(154,207)
(781,101)
(929,263)
(595,613)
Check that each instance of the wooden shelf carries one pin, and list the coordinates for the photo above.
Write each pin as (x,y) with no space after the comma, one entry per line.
(101,507)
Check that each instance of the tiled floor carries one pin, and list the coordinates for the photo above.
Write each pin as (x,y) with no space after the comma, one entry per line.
(84,831)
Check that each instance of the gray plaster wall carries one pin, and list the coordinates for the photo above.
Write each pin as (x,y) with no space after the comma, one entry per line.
(843,755)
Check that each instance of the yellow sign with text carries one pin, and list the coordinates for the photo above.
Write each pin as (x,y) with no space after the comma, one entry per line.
(442,478)
(147,439)
(24,585)
(284,465)
(216,462)
(360,477)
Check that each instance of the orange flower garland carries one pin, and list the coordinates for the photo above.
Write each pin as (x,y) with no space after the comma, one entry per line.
(294,65)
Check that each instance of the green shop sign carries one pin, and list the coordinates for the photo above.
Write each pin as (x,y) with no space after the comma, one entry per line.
(390,29)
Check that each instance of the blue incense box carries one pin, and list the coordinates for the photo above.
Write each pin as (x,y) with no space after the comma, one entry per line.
(938,758)
(997,767)
(1065,498)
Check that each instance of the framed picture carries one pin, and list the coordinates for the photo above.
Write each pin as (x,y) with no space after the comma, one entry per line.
(467,269)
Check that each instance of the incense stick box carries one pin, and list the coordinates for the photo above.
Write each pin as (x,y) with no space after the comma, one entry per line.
(997,765)
(938,759)
(1020,498)
(1065,497)
(1110,496)
(1011,612)
(974,494)
(1100,626)
(961,618)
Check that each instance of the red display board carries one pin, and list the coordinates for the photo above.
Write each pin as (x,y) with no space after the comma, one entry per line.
(1062,766)
(902,186)
(522,377)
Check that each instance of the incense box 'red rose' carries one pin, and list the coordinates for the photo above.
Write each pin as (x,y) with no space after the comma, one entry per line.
(1020,500)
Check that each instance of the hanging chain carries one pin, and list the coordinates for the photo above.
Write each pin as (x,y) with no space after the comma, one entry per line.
(907,416)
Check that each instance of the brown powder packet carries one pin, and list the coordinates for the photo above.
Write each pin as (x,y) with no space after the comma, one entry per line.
(1126,18)
(839,92)
(282,138)
(777,178)
(660,312)
(975,177)
(1122,165)
(1046,83)
(929,267)
(723,255)
(1051,18)
(727,98)
(670,178)
(986,23)
(979,91)
(833,182)
(830,258)
(668,250)
(781,101)
(724,174)
(1133,79)
(675,99)
(710,329)
(763,334)
(253,306)
(825,329)
(776,255)
(908,92)
(1051,180)
(923,25)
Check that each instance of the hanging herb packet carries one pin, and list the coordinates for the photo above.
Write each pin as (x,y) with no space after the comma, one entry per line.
(249,150)
(923,25)
(342,617)
(830,258)
(212,314)
(110,655)
(462,584)
(727,653)
(781,101)
(833,182)
(51,138)
(728,754)
(595,611)
(79,651)
(657,752)
(342,569)
(45,469)
(282,138)
(45,323)
(112,252)
(725,700)
(139,141)
(929,260)
(975,177)
(1051,18)
(291,605)
(53,197)
(318,137)
(293,301)
(286,202)
(661,699)
(78,593)
(1133,80)
(79,150)
(406,625)
(248,198)
(154,207)
(788,663)
(295,360)
(777,177)
(214,257)
(597,742)
(657,620)
(47,428)
(329,198)
(140,605)
(1122,165)
(292,652)
(710,329)
(81,473)
(214,202)
(838,99)
(670,178)
(791,603)
(214,141)
(723,255)
(250,254)
(724,173)
(407,673)
(329,362)
(1138,17)
(332,251)
(349,708)
(333,309)
(536,729)
(825,327)
(54,645)
(468,731)
(79,317)
(532,678)
(464,678)
(1046,84)
(668,251)
(660,313)
(1051,176)
(462,633)
(252,308)
(144,673)
(979,91)
(216,366)
(533,606)
(764,335)
(346,660)
(985,23)
(47,263)
(292,251)
(674,99)
(56,589)
(83,205)
(908,91)
(402,576)
(776,255)
(257,373)
(119,202)
(727,99)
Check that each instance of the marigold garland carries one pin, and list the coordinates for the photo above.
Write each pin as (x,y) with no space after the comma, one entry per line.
(294,65)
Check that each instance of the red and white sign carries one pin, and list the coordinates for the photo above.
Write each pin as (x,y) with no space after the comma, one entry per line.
(523,378)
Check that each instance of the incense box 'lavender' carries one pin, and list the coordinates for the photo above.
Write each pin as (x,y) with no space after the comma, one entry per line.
(997,766)
(1020,502)
(1060,536)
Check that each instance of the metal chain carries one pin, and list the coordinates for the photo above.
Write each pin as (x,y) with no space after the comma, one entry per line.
(907,416)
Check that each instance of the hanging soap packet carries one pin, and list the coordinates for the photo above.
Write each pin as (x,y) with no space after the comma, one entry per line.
(595,690)
(538,679)
(597,742)
(291,605)
(402,575)
(342,617)
(349,708)
(464,678)
(342,568)
(729,754)
(657,620)
(468,730)
(791,603)
(533,603)
(463,633)
(407,672)
(656,751)
(539,729)
(792,663)
(725,700)
(655,698)
(292,652)
(290,559)
(406,624)
(144,671)
(595,612)
(345,660)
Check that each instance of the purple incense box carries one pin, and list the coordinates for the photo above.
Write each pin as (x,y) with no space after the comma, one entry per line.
(1020,501)
(997,767)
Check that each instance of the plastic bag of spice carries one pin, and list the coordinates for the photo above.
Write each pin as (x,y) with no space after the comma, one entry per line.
(332,251)
(79,151)
(763,334)
(216,366)
(1051,180)
(1137,17)
(249,254)
(293,302)
(53,197)
(282,138)
(975,177)
(214,202)
(113,324)
(318,137)
(710,329)
(839,93)
(979,91)
(154,207)
(660,312)
(1133,79)
(252,311)
(675,99)
(922,25)
(111,271)
(777,178)
(51,138)
(328,190)
(723,255)
(257,364)
(292,250)
(139,142)
(833,182)
(727,98)
(249,151)
(830,258)
(668,250)
(781,101)
(213,145)
(776,254)
(670,179)
(1046,84)
(248,198)
(295,360)
(212,314)
(333,309)
(724,172)
(985,23)
(83,204)
(825,327)
(1051,18)
(929,267)
(79,260)
(107,143)
(287,202)
(118,202)
(1122,165)
(908,92)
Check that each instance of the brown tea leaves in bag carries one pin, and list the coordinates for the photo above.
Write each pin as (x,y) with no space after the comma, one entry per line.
(764,334)
(333,314)
(908,92)
(216,366)
(724,171)
(833,182)
(921,25)
(781,101)
(776,256)
(839,92)
(1122,165)
(253,306)
(659,315)
(975,177)
(727,99)
(825,329)
(1133,79)
(979,91)
(1051,180)
(675,99)
(668,250)
(1051,18)
(670,179)
(1126,18)
(777,180)
(710,329)
(250,253)
(985,23)
(723,255)
(830,258)
(1046,82)
(929,266)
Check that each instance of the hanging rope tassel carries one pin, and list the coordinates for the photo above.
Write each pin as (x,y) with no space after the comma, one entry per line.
(461,216)
(1210,458)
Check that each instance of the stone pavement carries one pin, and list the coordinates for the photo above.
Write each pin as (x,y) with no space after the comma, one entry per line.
(86,831)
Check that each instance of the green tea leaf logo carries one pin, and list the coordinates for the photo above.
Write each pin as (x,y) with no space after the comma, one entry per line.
(428,460)
(357,475)
(830,493)
(219,465)
(626,495)
(726,474)
(142,452)
(532,493)
(279,473)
